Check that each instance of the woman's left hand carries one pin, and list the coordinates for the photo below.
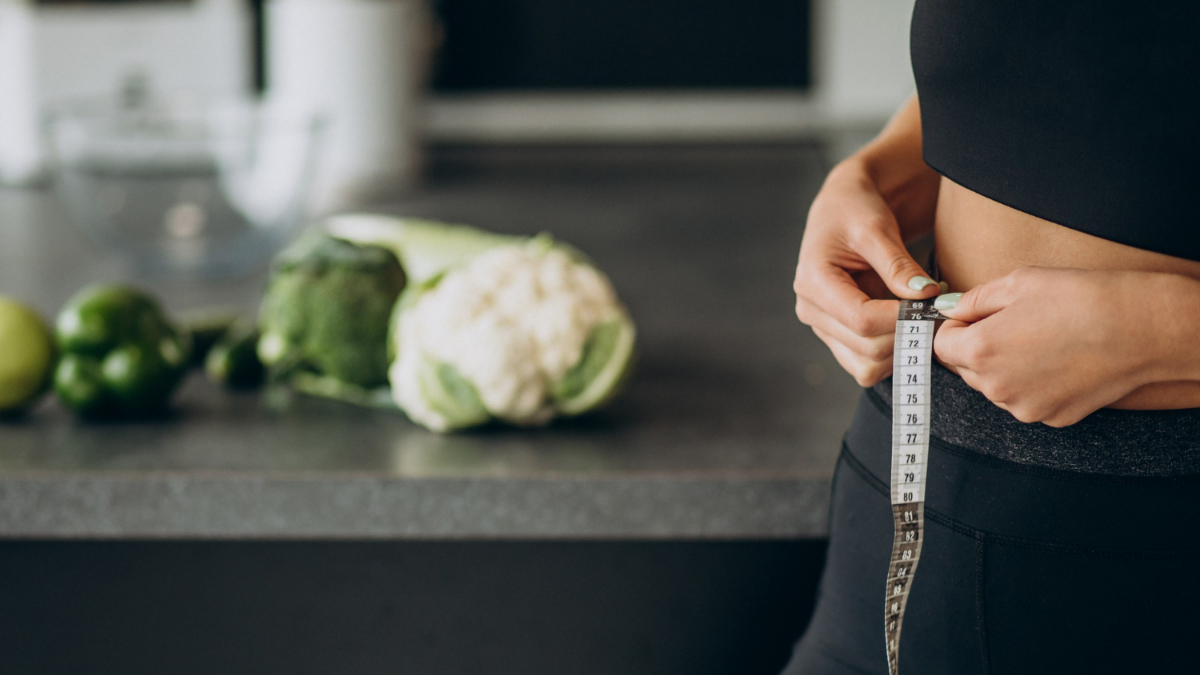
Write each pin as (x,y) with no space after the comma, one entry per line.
(1053,345)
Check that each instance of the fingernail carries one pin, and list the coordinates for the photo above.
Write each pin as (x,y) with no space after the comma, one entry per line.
(943,287)
(918,282)
(947,301)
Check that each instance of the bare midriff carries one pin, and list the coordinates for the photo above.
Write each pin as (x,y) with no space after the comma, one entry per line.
(979,239)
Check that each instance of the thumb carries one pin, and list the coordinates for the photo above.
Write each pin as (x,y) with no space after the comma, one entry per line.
(976,304)
(886,254)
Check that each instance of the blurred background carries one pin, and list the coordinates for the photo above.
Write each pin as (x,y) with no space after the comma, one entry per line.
(179,144)
(455,71)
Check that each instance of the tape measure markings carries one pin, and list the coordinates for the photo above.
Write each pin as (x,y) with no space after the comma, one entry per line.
(911,368)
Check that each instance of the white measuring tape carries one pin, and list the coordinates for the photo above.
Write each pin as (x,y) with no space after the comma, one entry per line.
(910,448)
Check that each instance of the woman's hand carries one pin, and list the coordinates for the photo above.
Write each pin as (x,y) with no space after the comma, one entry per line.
(852,255)
(1053,345)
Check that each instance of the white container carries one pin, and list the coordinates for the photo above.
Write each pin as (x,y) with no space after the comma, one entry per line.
(364,65)
(55,52)
(21,155)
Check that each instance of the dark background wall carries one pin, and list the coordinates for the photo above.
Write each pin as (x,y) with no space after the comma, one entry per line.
(603,44)
(624,44)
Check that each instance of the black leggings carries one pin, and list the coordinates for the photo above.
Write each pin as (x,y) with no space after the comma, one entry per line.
(1024,569)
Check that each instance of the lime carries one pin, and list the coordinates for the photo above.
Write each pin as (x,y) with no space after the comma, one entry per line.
(26,355)
(606,361)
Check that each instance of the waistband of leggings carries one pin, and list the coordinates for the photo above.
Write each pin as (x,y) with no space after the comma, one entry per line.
(1115,442)
(1032,505)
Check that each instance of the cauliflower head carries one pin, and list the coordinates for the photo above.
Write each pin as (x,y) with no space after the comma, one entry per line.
(520,333)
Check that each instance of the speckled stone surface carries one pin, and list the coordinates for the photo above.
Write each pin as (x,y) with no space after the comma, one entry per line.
(729,429)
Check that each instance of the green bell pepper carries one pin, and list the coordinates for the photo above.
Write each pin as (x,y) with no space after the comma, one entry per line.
(121,356)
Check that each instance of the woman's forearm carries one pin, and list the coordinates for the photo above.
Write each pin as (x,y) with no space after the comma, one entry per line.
(1054,344)
(896,165)
(1173,350)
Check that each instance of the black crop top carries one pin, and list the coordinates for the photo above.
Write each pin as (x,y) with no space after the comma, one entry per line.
(1085,113)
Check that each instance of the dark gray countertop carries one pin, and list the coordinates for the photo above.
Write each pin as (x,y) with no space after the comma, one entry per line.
(729,429)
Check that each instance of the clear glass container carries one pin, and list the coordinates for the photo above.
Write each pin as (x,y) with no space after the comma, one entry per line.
(186,189)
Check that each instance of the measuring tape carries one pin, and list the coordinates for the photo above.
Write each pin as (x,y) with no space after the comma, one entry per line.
(910,449)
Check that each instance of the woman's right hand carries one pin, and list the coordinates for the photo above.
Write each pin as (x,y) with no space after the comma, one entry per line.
(852,261)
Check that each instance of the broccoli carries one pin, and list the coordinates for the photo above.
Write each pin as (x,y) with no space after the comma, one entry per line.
(324,318)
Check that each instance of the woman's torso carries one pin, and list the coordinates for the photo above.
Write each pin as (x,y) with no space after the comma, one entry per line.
(979,239)
(1080,112)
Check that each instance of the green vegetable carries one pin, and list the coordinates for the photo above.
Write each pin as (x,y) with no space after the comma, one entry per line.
(319,385)
(233,360)
(493,362)
(608,357)
(425,248)
(451,395)
(121,357)
(326,312)
(207,326)
(79,385)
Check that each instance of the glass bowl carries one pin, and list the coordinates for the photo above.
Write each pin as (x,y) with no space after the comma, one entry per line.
(192,190)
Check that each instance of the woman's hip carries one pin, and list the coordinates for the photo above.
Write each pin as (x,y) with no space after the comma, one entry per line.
(977,492)
(1023,569)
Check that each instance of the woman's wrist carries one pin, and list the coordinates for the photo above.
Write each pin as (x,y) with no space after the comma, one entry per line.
(894,164)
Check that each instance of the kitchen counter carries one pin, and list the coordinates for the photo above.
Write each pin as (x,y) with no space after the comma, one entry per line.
(729,429)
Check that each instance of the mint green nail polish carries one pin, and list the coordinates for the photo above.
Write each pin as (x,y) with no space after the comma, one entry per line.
(918,282)
(944,287)
(947,301)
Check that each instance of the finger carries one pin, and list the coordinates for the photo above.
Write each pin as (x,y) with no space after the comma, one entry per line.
(884,251)
(871,284)
(1072,413)
(979,302)
(1065,418)
(864,371)
(877,348)
(952,344)
(838,296)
